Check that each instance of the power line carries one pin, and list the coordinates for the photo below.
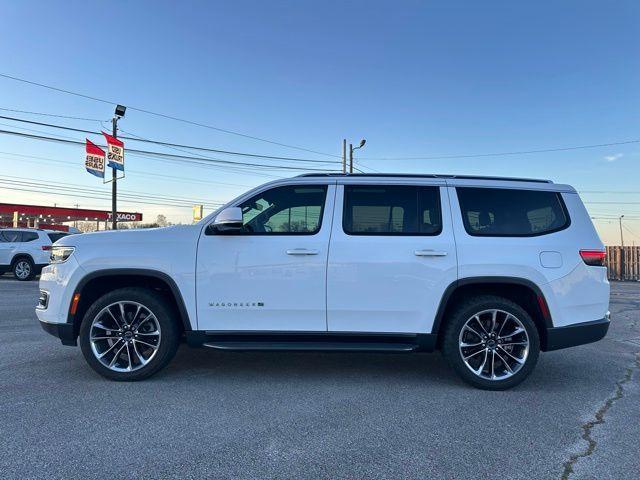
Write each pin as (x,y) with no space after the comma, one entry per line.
(626,227)
(167,144)
(68,117)
(500,154)
(198,164)
(168,155)
(136,172)
(632,192)
(613,203)
(162,115)
(125,192)
(93,194)
(100,195)
(73,195)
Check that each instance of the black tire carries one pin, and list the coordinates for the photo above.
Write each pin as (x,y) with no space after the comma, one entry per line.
(451,348)
(20,266)
(168,340)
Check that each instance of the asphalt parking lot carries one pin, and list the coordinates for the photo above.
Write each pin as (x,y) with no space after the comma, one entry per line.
(284,415)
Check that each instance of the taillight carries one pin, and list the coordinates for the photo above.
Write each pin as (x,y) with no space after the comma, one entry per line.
(594,258)
(46,247)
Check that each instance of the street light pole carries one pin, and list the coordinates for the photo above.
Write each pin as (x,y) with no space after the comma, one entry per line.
(119,113)
(114,186)
(351,149)
(351,158)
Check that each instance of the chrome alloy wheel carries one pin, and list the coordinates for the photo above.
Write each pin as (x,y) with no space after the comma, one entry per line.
(22,269)
(494,344)
(125,336)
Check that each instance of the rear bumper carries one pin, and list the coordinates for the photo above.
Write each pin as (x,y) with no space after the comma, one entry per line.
(64,331)
(576,334)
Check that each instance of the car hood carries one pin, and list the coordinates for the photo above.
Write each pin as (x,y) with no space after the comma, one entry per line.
(140,236)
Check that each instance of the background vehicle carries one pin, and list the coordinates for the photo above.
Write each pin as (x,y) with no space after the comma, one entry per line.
(489,270)
(25,251)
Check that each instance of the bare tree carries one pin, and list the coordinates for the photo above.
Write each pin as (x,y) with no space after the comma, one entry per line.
(161,220)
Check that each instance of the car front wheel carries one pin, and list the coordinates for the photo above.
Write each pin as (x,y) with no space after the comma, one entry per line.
(23,269)
(129,334)
(491,342)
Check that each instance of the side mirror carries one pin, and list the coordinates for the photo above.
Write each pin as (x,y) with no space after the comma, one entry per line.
(227,221)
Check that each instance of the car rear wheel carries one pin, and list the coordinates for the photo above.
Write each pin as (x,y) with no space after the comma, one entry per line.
(491,342)
(23,269)
(129,334)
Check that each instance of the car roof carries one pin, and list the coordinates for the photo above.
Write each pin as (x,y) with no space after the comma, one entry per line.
(442,179)
(23,229)
(423,175)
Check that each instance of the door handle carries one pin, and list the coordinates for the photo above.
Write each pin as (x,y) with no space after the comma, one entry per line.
(430,253)
(302,251)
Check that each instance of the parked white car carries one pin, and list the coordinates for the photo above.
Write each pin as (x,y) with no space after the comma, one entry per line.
(488,270)
(25,251)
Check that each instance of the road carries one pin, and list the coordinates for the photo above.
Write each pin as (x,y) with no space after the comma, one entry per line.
(310,415)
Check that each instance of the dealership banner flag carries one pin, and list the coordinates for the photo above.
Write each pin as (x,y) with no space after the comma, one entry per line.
(94,161)
(115,152)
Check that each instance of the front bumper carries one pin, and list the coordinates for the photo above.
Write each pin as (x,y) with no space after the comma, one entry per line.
(576,334)
(64,331)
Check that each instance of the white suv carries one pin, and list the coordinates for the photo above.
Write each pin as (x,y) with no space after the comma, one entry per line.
(488,270)
(25,251)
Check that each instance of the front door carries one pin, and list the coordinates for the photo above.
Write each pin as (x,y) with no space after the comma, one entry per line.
(271,276)
(392,256)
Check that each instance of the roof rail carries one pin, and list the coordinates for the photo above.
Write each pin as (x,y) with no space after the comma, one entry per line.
(428,175)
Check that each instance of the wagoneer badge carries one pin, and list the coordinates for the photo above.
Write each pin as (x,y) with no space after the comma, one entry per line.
(236,304)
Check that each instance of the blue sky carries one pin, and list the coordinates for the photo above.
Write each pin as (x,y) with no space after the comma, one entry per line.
(414,78)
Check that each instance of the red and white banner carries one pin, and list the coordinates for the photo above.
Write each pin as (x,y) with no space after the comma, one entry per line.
(94,161)
(115,152)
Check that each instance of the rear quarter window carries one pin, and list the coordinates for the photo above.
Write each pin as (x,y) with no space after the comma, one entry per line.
(501,212)
(54,237)
(29,236)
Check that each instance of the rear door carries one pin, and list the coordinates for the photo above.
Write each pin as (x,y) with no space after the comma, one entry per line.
(9,241)
(391,257)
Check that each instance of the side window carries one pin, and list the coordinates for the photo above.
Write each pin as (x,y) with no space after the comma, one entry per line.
(10,236)
(54,237)
(391,210)
(288,210)
(510,212)
(29,236)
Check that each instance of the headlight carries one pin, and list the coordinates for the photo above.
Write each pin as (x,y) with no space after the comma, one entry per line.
(60,254)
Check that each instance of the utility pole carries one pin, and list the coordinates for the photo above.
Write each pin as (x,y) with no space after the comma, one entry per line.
(622,259)
(114,185)
(344,155)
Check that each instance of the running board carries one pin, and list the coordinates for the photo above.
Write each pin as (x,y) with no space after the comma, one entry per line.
(312,346)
